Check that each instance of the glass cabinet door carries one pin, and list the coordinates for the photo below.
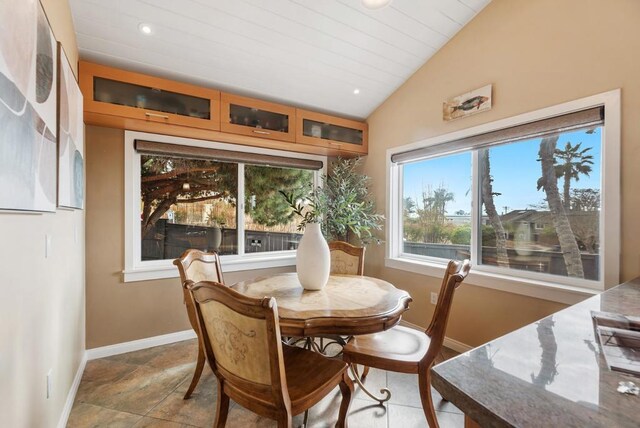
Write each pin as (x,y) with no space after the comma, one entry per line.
(119,93)
(248,116)
(128,94)
(332,132)
(327,131)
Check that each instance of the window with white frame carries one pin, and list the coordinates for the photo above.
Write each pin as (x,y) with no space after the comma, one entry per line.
(530,198)
(213,197)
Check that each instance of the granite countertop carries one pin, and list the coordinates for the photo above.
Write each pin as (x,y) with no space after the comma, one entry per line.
(549,373)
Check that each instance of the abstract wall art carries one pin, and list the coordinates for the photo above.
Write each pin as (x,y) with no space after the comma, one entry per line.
(70,137)
(472,102)
(28,101)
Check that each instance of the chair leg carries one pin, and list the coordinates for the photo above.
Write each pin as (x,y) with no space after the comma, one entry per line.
(424,381)
(197,373)
(222,407)
(284,421)
(365,372)
(346,387)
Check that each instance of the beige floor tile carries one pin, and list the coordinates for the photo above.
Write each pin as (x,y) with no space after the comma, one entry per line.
(147,422)
(105,371)
(143,356)
(207,381)
(87,415)
(138,392)
(117,391)
(199,410)
(405,391)
(241,417)
(180,353)
(362,413)
(411,417)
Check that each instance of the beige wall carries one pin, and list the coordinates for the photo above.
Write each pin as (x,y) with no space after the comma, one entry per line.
(536,54)
(59,15)
(117,311)
(41,299)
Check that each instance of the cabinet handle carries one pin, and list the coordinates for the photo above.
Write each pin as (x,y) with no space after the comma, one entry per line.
(161,116)
(335,144)
(257,131)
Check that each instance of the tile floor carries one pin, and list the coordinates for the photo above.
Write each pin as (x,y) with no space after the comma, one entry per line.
(145,389)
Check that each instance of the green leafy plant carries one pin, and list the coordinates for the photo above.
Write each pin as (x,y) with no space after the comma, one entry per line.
(343,206)
(304,202)
(347,202)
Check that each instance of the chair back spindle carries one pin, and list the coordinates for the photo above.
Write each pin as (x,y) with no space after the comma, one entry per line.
(455,273)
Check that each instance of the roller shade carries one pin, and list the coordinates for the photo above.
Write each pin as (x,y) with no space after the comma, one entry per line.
(166,149)
(538,129)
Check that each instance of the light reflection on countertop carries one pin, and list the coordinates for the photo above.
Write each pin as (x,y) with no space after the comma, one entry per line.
(549,373)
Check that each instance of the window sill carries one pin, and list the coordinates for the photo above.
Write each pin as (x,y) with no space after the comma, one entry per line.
(554,292)
(229,264)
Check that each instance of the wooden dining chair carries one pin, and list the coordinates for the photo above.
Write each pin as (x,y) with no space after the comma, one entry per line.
(196,265)
(406,350)
(346,259)
(241,339)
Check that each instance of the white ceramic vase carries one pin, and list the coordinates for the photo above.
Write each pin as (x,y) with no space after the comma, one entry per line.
(313,260)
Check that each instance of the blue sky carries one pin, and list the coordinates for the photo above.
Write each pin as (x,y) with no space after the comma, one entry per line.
(514,168)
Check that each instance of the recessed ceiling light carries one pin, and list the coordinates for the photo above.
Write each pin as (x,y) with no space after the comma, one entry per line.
(356,91)
(145,28)
(375,4)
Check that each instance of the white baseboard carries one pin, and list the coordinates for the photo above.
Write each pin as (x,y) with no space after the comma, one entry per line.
(136,345)
(456,345)
(448,342)
(71,396)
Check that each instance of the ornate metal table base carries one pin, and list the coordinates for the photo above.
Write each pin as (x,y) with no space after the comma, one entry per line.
(356,377)
(321,347)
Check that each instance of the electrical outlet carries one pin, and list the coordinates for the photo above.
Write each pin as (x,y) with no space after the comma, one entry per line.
(434,298)
(49,383)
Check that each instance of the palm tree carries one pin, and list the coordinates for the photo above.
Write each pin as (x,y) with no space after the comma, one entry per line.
(490,208)
(572,162)
(431,216)
(549,182)
(441,196)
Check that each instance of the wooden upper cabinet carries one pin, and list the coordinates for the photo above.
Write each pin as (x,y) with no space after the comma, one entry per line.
(116,92)
(139,102)
(331,132)
(248,116)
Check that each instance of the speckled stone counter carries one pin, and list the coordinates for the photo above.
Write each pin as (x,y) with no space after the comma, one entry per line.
(548,374)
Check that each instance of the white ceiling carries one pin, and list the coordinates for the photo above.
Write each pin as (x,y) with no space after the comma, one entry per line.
(308,53)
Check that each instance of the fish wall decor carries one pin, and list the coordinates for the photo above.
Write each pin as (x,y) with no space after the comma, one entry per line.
(467,104)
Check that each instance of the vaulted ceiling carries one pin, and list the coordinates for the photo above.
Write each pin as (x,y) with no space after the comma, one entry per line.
(308,53)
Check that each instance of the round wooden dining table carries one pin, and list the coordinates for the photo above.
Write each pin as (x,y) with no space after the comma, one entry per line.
(348,305)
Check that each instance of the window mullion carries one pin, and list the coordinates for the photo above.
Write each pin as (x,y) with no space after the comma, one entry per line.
(240,211)
(399,213)
(394,216)
(476,210)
